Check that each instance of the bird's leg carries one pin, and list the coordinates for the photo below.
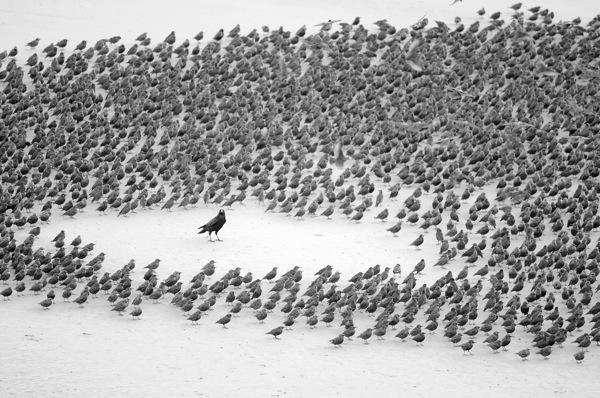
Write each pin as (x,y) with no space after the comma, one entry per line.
(217,235)
(210,236)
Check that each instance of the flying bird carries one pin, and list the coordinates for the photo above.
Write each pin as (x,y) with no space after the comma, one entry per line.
(326,26)
(338,151)
(412,57)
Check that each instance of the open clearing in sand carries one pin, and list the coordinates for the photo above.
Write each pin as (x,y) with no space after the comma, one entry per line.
(69,351)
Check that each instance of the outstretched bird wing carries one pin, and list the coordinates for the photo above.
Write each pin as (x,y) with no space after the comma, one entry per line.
(412,48)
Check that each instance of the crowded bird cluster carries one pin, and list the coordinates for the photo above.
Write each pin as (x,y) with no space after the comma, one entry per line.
(333,123)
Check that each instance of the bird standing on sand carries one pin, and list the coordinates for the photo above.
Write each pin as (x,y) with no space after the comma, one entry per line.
(59,236)
(466,347)
(271,274)
(219,35)
(225,320)
(83,296)
(6,293)
(136,312)
(261,315)
(516,6)
(579,356)
(276,332)
(394,229)
(214,225)
(46,303)
(153,264)
(404,333)
(120,306)
(337,341)
(545,352)
(328,212)
(418,242)
(366,335)
(357,216)
(524,354)
(195,317)
(382,215)
(34,42)
(419,267)
(419,338)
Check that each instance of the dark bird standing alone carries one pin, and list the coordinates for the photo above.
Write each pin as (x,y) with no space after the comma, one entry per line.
(214,225)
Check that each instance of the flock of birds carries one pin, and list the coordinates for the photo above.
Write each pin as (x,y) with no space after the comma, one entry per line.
(333,122)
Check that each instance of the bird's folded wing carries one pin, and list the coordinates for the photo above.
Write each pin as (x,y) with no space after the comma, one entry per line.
(211,223)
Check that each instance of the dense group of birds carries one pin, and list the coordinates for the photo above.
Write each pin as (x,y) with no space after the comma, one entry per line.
(337,121)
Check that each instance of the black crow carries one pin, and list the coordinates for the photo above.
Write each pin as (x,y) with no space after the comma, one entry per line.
(214,225)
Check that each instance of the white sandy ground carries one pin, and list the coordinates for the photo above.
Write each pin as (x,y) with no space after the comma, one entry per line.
(69,351)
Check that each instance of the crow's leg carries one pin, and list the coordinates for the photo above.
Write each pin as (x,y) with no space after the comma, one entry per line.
(217,235)
(210,236)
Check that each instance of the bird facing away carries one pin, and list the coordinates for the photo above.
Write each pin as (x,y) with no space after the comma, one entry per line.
(545,352)
(6,292)
(466,347)
(135,313)
(214,225)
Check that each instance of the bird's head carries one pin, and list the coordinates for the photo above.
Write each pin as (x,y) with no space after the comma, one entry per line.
(222,212)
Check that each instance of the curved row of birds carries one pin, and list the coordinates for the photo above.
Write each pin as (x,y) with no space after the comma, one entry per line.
(341,121)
